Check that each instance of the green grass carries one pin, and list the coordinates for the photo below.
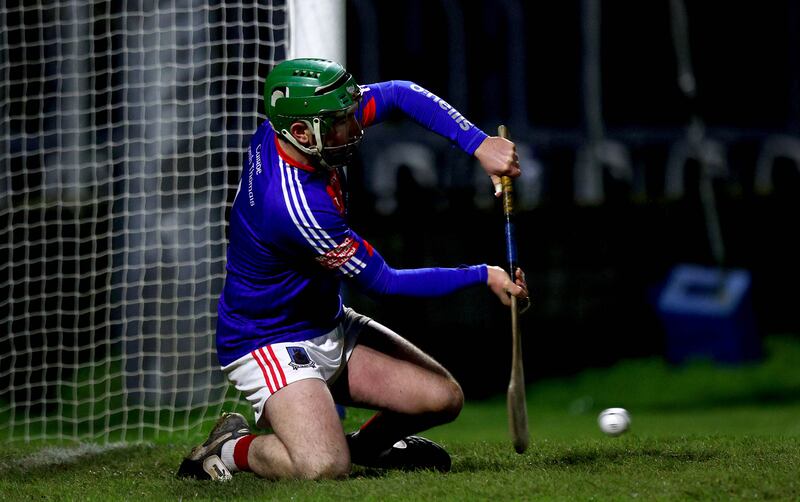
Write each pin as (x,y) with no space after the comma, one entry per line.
(698,432)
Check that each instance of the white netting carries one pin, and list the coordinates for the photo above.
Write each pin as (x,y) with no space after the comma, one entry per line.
(121,135)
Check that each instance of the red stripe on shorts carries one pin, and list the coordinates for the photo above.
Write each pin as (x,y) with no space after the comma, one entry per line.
(278,385)
(263,370)
(277,363)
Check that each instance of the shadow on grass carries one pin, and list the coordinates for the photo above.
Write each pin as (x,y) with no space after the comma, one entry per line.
(589,457)
(582,457)
(758,397)
(367,472)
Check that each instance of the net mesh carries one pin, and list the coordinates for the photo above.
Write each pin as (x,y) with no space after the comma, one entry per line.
(121,136)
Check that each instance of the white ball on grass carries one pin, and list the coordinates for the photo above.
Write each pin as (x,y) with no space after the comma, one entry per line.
(614,421)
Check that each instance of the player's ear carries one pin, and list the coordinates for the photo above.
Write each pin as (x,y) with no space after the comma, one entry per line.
(301,133)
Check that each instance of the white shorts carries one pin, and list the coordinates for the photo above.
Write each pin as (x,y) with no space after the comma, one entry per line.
(263,372)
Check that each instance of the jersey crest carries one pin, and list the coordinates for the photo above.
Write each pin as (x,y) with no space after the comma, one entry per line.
(299,358)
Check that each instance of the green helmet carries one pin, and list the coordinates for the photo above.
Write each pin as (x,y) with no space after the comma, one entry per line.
(317,92)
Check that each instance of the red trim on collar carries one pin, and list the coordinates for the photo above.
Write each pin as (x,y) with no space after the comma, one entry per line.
(291,161)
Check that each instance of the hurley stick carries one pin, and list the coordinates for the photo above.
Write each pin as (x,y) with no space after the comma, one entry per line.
(517,408)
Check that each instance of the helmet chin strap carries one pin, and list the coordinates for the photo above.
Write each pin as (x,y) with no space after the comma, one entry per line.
(314,151)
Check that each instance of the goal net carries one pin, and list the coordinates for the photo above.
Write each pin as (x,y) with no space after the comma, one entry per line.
(121,135)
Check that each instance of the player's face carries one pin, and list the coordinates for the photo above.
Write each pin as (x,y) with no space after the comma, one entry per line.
(344,130)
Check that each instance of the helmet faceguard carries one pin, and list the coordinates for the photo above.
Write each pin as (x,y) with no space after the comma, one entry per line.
(339,155)
(318,93)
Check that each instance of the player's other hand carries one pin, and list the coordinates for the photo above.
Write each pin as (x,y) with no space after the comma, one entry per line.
(502,286)
(498,157)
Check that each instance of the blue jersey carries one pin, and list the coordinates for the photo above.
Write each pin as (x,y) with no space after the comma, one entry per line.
(291,246)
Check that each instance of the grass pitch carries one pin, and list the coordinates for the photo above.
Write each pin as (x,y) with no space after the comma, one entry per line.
(698,432)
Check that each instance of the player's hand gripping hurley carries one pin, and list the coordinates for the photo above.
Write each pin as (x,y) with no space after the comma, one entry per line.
(517,407)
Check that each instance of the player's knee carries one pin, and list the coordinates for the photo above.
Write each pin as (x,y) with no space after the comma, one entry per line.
(324,466)
(451,400)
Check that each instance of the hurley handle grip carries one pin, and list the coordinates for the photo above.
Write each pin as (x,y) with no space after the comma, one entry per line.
(508,211)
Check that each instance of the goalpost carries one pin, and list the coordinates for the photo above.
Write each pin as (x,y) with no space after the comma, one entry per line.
(121,138)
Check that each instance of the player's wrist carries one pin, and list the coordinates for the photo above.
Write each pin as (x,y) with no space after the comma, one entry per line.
(478,139)
(494,275)
(483,271)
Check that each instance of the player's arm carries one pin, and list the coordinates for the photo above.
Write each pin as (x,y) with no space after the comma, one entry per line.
(379,279)
(339,250)
(498,156)
(320,233)
(431,282)
(376,277)
(381,99)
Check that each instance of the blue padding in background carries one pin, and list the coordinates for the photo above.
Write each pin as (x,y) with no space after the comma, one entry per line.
(707,313)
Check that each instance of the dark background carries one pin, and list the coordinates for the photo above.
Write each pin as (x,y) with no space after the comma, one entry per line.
(594,270)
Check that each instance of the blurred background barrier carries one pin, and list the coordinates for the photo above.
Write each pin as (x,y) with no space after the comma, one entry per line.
(707,313)
(124,125)
(629,114)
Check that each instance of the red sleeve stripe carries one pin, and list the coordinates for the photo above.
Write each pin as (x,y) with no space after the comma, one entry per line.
(369,113)
(368,246)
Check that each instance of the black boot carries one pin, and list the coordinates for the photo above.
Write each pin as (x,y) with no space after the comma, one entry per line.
(408,454)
